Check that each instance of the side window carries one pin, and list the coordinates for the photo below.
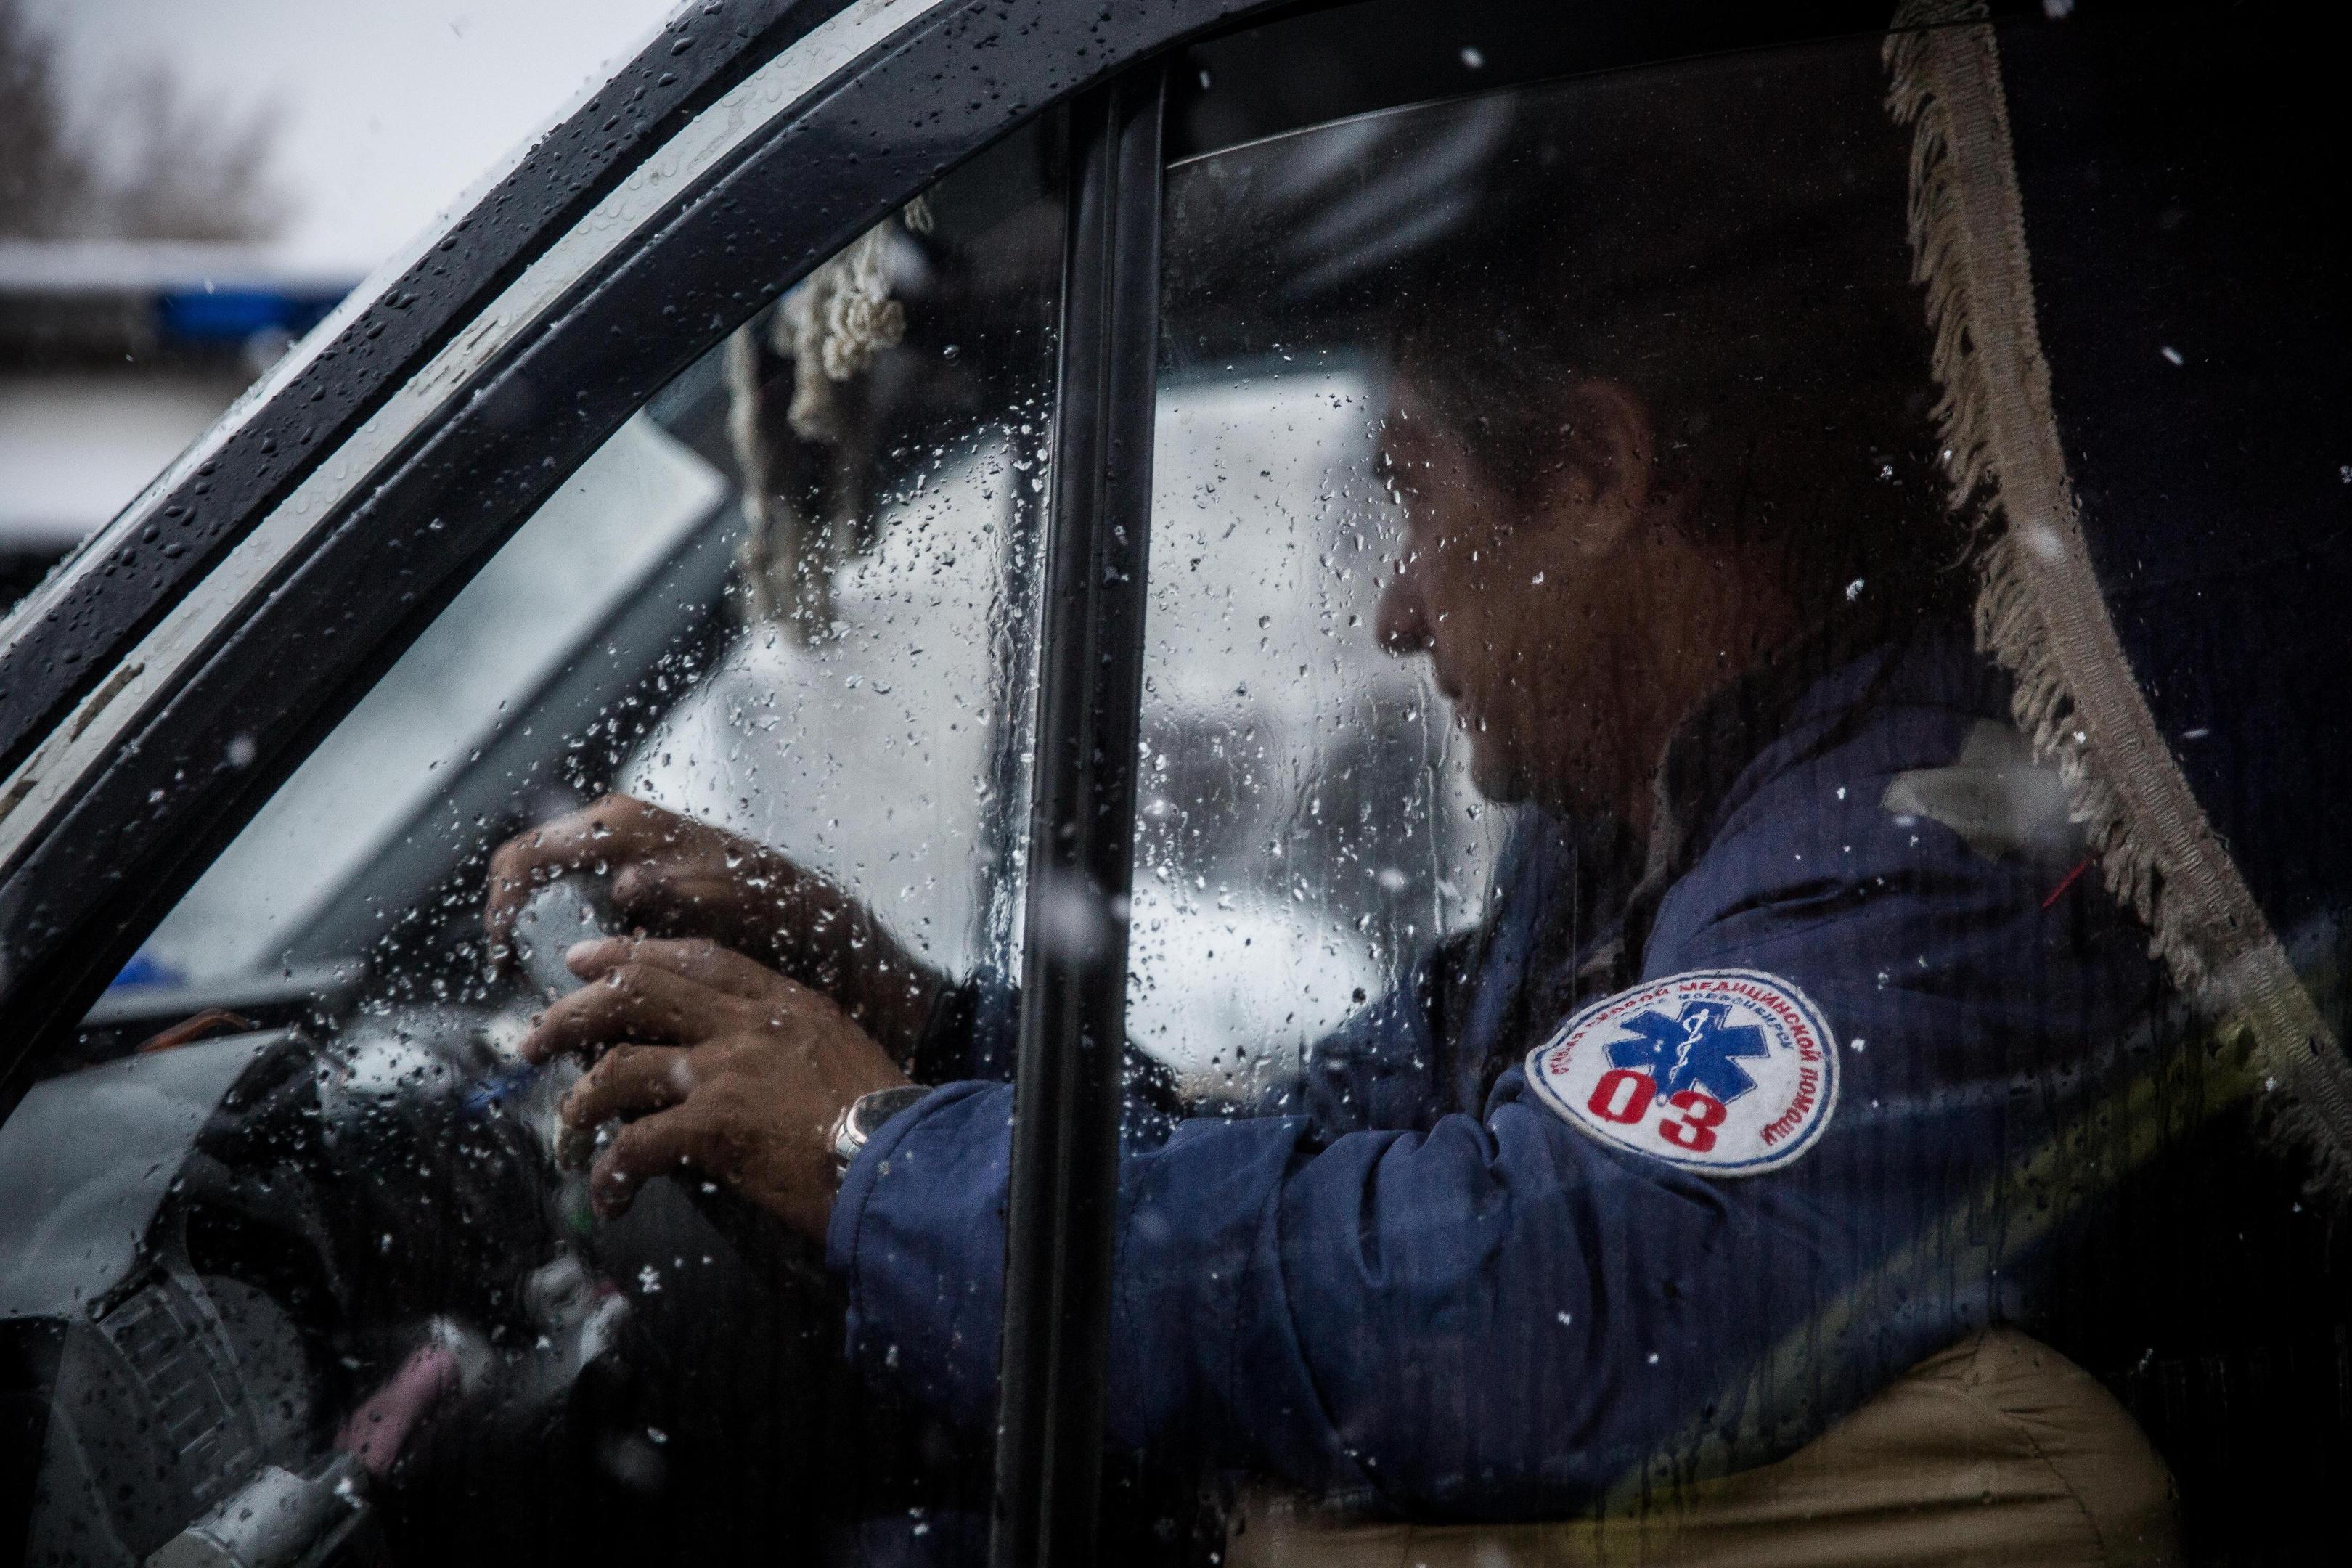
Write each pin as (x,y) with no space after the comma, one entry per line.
(746,707)
(1489,458)
(1655,991)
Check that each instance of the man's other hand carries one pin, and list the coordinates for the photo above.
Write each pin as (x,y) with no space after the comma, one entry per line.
(713,1062)
(674,877)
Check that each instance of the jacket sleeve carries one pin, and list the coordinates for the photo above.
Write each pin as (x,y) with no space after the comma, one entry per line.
(1380,1067)
(1490,1315)
(1496,1315)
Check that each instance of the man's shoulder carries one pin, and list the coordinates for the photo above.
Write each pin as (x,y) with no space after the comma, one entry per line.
(1894,711)
(1891,706)
(1897,781)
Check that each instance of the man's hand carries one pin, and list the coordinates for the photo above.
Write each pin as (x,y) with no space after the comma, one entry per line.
(679,878)
(722,1065)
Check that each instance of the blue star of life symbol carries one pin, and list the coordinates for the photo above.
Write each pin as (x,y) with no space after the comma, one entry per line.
(1693,1048)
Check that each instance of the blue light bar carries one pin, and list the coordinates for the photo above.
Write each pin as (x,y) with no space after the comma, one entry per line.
(232,315)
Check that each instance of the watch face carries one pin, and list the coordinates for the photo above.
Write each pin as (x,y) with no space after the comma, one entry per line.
(867,1115)
(871,1110)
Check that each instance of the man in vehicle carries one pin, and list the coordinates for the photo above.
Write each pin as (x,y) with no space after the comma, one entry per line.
(1740,1116)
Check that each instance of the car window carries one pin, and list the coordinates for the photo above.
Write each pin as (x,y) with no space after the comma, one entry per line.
(1654,1016)
(748,697)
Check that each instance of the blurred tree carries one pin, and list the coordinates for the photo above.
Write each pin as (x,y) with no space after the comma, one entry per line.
(154,166)
(42,178)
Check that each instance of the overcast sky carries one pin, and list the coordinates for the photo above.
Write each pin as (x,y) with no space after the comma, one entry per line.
(388,108)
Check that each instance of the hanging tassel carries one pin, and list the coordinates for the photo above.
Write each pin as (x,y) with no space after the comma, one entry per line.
(2040,610)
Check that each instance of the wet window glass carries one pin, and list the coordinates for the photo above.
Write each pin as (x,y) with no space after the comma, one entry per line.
(1684,1054)
(396,1218)
(1306,821)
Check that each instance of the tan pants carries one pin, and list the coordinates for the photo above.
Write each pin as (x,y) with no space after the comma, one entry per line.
(1997,1451)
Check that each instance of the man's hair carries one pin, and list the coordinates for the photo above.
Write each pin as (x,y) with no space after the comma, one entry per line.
(1732,248)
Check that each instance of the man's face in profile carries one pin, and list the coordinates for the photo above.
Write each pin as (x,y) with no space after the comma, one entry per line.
(1573,620)
(1517,620)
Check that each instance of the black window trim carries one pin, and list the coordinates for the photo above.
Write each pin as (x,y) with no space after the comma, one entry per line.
(1062,1200)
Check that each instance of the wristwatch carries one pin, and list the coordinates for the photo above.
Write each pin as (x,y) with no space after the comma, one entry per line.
(864,1116)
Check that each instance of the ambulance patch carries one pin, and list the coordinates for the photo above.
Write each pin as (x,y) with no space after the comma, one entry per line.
(1725,1072)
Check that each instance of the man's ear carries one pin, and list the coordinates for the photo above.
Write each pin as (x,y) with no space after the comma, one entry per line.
(1604,481)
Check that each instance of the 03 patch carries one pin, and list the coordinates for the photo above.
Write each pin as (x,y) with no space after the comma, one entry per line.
(1725,1072)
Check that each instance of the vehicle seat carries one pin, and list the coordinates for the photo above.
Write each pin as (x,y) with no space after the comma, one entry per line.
(1995,1451)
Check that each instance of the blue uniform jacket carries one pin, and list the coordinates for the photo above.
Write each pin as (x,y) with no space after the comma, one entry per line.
(1422,1288)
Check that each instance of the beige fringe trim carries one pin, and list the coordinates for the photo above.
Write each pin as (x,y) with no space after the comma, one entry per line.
(2040,610)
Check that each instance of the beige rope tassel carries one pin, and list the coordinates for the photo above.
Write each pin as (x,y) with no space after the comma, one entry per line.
(832,326)
(2040,610)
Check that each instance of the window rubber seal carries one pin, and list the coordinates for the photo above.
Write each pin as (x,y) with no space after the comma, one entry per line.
(1060,1226)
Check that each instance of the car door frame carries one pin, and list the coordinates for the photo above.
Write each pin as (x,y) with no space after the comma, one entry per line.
(259,588)
(242,606)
